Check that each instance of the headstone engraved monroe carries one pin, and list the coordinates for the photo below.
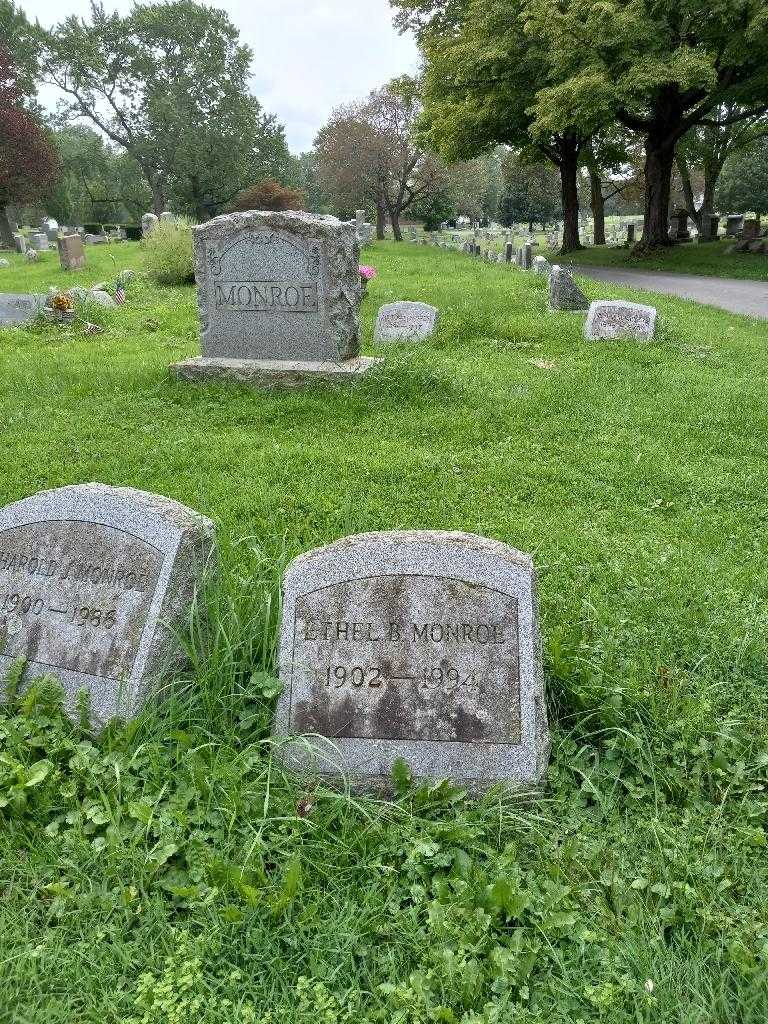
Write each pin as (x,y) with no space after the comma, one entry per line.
(92,579)
(419,645)
(279,295)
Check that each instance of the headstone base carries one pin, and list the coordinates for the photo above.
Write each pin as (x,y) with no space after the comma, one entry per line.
(275,373)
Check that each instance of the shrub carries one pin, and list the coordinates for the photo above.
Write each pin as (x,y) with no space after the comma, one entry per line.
(133,232)
(269,195)
(168,253)
(92,228)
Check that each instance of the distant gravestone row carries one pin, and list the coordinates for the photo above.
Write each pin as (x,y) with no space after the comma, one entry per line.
(421,646)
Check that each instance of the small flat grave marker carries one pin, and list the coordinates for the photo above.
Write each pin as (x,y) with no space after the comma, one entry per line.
(19,308)
(421,646)
(90,579)
(617,319)
(405,321)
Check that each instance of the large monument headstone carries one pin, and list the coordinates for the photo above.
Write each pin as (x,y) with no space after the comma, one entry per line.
(279,296)
(71,252)
(614,318)
(405,321)
(93,581)
(422,646)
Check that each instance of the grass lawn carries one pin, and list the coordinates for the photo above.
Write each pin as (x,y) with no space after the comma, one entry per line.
(170,872)
(709,259)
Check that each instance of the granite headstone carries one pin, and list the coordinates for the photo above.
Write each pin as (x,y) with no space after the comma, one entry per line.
(71,252)
(19,308)
(614,318)
(93,582)
(405,321)
(421,646)
(279,296)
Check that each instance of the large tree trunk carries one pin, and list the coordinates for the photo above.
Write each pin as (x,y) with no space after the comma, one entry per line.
(659,157)
(690,202)
(6,228)
(394,216)
(569,161)
(381,222)
(598,205)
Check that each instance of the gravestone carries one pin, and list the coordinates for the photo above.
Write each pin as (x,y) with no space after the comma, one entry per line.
(39,241)
(524,257)
(564,293)
(93,582)
(167,217)
(71,252)
(421,646)
(614,318)
(541,265)
(19,308)
(148,221)
(680,232)
(405,321)
(630,234)
(509,251)
(50,228)
(750,230)
(734,224)
(279,295)
(21,243)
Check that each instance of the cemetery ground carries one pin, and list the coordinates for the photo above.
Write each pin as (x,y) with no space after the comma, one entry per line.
(171,871)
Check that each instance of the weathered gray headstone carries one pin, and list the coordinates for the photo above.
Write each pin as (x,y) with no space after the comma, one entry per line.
(279,295)
(20,242)
(422,646)
(751,229)
(71,252)
(509,251)
(50,227)
(617,319)
(148,221)
(405,321)
(524,257)
(167,217)
(564,293)
(630,234)
(541,265)
(93,582)
(39,241)
(734,224)
(19,308)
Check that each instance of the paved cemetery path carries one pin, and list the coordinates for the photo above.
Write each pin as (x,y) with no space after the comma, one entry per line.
(748,297)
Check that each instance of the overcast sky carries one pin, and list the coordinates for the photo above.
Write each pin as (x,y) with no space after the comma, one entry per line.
(309,55)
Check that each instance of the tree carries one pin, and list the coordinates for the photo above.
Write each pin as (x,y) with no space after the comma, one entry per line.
(168,83)
(483,69)
(368,152)
(658,69)
(269,195)
(706,148)
(22,43)
(605,160)
(28,162)
(96,181)
(531,193)
(744,180)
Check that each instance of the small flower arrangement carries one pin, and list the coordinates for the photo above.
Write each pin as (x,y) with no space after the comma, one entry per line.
(366,274)
(63,303)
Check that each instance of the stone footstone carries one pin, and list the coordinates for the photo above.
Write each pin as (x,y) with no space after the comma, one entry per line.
(420,646)
(617,319)
(279,290)
(94,581)
(564,293)
(405,321)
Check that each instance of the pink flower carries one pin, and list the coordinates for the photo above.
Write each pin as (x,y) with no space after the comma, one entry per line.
(368,273)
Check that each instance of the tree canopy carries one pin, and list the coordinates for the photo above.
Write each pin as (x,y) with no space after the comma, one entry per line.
(168,83)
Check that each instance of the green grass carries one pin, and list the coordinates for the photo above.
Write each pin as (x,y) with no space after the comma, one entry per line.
(170,873)
(710,259)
